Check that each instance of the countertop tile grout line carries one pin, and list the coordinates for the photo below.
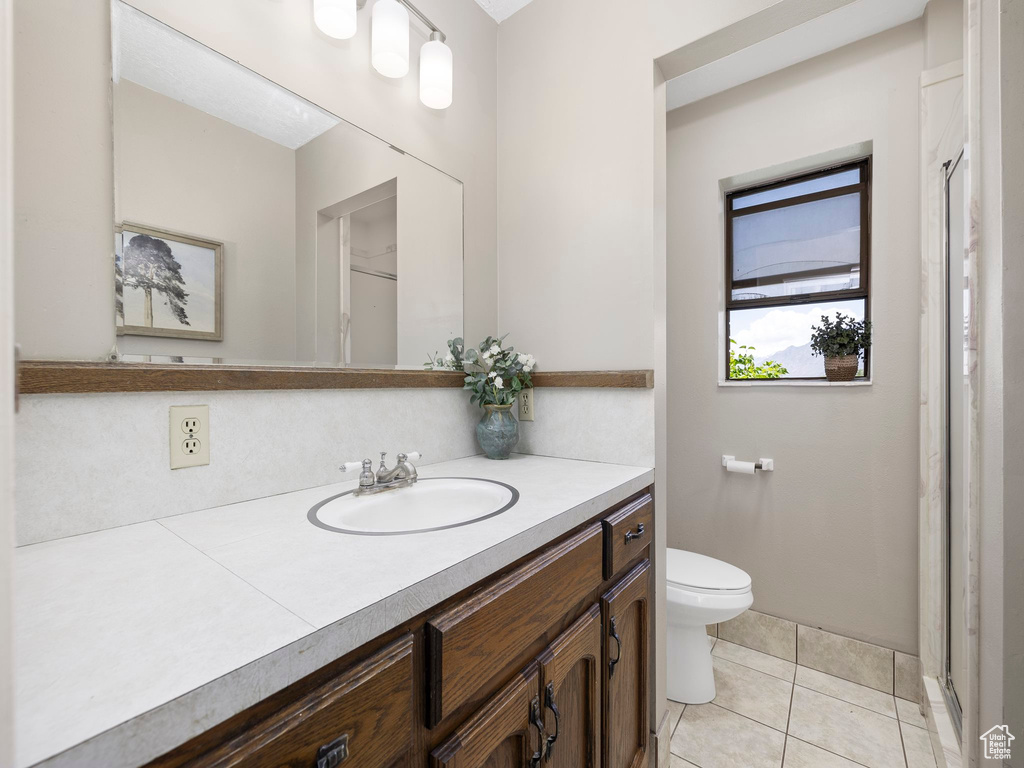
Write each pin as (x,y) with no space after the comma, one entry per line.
(312,626)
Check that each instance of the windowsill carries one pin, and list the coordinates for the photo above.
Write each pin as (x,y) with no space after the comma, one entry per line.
(784,383)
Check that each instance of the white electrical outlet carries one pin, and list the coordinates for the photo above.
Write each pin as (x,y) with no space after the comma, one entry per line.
(190,436)
(526,405)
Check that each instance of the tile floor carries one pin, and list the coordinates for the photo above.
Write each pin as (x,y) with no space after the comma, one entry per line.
(772,713)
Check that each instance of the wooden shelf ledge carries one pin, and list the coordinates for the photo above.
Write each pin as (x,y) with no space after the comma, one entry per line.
(47,377)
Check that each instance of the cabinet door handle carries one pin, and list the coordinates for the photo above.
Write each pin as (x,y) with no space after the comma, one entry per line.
(638,535)
(332,755)
(538,723)
(613,631)
(549,702)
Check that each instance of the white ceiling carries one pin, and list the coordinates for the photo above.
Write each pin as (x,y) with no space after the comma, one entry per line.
(502,9)
(840,27)
(164,60)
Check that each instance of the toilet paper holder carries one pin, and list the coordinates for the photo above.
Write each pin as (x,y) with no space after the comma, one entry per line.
(764,465)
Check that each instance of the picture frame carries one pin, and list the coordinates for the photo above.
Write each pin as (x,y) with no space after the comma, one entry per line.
(168,284)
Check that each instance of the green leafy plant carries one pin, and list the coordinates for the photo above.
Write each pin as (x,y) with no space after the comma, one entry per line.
(498,374)
(453,361)
(742,365)
(844,336)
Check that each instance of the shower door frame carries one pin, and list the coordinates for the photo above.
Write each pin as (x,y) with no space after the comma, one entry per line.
(948,688)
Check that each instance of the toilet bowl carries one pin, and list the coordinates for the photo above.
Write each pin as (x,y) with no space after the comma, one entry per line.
(700,591)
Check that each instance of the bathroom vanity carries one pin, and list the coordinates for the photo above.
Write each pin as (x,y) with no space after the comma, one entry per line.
(546,662)
(522,639)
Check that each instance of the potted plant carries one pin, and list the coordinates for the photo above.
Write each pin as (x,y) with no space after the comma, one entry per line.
(453,361)
(841,343)
(496,375)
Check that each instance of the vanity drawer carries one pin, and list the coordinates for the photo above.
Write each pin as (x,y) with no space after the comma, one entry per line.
(627,532)
(475,640)
(364,717)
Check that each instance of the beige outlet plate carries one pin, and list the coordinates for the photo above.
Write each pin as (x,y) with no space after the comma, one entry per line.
(526,406)
(190,436)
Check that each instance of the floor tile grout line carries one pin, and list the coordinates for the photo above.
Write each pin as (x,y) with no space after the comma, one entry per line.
(745,717)
(852,704)
(747,666)
(903,744)
(789,717)
(823,749)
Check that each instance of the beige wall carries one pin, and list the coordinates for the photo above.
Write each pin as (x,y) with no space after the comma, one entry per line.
(64,146)
(830,538)
(63,178)
(182,170)
(6,392)
(576,180)
(944,32)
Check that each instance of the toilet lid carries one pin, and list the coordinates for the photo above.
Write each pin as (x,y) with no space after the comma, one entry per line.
(688,569)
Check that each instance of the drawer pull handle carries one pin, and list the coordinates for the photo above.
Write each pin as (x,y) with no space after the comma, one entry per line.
(538,723)
(613,631)
(638,535)
(549,702)
(331,755)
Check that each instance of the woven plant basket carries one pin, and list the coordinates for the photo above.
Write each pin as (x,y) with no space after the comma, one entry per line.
(842,368)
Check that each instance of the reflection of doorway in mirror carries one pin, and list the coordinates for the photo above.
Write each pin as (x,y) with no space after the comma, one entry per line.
(370,314)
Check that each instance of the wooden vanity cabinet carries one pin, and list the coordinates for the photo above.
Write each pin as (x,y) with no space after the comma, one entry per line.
(558,696)
(362,719)
(542,666)
(571,694)
(625,613)
(506,732)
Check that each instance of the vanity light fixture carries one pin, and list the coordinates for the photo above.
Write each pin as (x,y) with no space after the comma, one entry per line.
(389,43)
(389,38)
(335,18)
(436,72)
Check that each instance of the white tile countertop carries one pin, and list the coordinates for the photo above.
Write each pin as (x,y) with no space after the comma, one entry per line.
(131,641)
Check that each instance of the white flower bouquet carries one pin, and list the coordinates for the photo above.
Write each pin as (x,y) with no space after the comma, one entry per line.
(498,373)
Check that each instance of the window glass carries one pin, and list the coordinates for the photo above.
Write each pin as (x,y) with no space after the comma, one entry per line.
(821,183)
(822,237)
(782,335)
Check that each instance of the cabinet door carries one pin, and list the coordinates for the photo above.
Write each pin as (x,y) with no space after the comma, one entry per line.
(505,733)
(571,695)
(626,620)
(362,718)
(475,640)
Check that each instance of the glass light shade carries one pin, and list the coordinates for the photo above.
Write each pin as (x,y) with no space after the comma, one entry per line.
(389,38)
(436,75)
(335,18)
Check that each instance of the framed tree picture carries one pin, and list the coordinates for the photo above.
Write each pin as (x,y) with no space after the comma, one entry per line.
(167,284)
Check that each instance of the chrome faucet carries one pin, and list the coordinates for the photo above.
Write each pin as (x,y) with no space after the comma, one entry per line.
(402,475)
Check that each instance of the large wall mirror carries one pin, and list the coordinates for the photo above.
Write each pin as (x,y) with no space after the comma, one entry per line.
(253,226)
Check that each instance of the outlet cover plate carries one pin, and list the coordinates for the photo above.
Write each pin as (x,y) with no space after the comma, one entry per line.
(190,424)
(526,405)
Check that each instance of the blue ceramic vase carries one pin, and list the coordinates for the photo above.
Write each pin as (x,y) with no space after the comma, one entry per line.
(498,431)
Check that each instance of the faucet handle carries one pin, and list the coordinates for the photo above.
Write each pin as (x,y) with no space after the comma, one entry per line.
(351,466)
(414,456)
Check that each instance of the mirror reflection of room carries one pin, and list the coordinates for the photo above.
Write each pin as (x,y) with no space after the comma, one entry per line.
(371,292)
(232,195)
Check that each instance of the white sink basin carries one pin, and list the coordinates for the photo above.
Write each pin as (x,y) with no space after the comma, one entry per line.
(431,504)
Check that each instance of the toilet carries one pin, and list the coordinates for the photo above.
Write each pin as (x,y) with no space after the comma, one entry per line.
(701,591)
